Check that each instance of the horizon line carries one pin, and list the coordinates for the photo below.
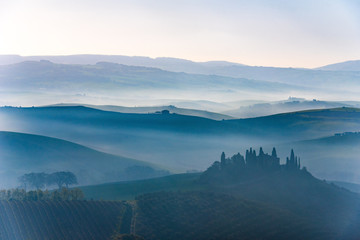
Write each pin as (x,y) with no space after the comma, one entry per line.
(177,58)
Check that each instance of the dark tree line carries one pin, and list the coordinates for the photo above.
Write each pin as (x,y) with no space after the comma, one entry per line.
(41,180)
(62,194)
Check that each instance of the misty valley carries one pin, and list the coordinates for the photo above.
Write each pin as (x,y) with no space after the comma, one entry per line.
(116,147)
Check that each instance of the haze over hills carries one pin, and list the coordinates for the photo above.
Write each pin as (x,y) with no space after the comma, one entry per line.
(180,142)
(24,153)
(295,125)
(331,81)
(45,82)
(242,129)
(290,105)
(245,111)
(332,158)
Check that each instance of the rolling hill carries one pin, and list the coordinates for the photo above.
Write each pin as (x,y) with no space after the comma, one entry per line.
(302,124)
(290,105)
(23,153)
(320,209)
(177,142)
(153,109)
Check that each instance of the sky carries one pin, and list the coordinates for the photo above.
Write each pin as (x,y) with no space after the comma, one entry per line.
(282,33)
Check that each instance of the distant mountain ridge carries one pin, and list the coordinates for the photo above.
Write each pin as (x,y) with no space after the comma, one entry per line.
(353,65)
(162,62)
(296,76)
(121,59)
(112,82)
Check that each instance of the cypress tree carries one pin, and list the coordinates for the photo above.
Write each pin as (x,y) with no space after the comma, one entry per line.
(273,154)
(261,152)
(223,159)
(292,156)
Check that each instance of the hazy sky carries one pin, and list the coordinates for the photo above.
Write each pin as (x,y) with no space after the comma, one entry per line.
(304,33)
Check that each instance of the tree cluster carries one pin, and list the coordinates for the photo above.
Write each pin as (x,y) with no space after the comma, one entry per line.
(262,160)
(41,180)
(62,194)
(252,164)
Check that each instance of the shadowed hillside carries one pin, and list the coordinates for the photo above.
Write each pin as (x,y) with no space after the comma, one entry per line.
(23,153)
(241,194)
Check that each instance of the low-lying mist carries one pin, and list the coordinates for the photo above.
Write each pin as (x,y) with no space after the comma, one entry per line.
(181,143)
